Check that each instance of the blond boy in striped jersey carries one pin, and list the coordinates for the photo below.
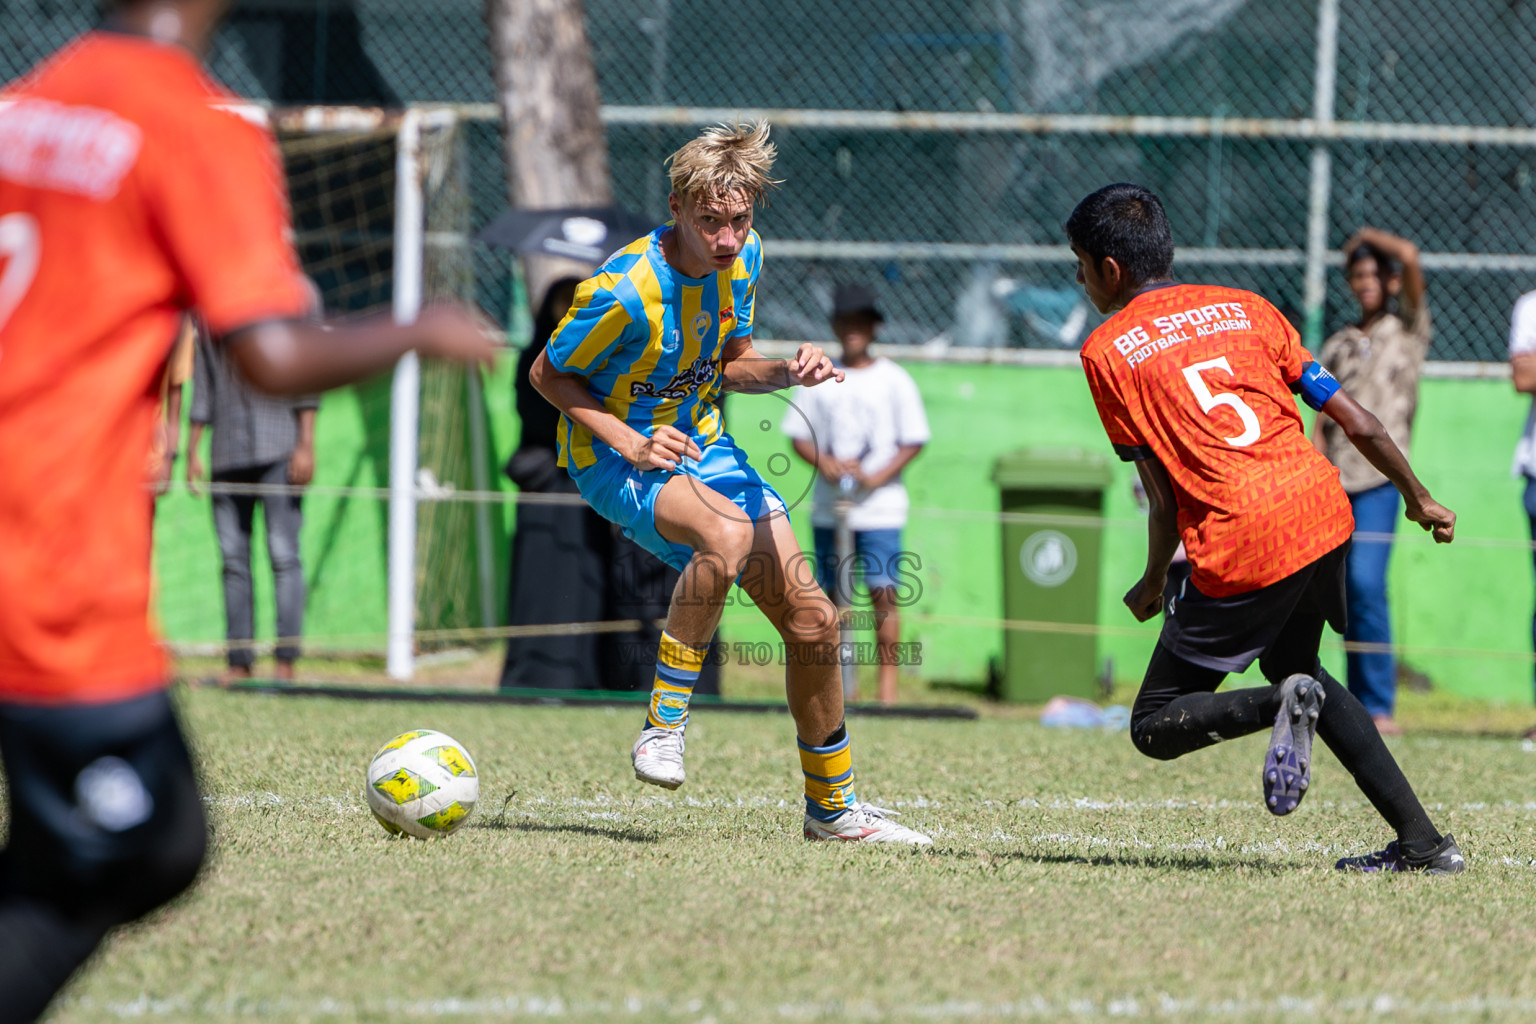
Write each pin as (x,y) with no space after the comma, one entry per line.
(637,369)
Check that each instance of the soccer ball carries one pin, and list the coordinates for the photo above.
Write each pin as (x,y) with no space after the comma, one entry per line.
(423,784)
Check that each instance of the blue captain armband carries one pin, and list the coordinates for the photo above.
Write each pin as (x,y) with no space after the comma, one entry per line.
(1315,385)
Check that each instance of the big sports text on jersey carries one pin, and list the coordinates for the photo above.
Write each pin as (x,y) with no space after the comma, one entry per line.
(1136,344)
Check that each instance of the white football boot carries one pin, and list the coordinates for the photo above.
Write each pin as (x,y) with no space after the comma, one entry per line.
(658,757)
(864,823)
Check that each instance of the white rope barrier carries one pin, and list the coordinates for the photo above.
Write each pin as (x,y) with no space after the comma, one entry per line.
(448,494)
(373,643)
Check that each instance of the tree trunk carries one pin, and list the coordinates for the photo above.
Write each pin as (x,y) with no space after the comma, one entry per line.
(556,150)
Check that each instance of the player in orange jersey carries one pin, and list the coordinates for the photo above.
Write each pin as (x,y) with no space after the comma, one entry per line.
(1194,384)
(123,179)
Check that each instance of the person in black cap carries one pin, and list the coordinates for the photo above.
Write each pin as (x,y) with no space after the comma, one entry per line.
(569,564)
(860,436)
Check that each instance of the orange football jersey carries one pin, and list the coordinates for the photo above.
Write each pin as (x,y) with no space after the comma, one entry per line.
(1199,378)
(127,195)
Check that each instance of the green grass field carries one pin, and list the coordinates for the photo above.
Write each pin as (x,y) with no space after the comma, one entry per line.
(1070,879)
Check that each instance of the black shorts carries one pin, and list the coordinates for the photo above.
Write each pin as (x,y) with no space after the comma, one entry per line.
(1229,633)
(106,820)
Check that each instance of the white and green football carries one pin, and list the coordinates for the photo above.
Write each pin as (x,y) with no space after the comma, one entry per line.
(423,784)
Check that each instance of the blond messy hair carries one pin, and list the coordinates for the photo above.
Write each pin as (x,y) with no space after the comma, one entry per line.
(728,158)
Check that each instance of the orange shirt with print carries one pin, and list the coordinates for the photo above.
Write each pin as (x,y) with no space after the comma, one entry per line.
(1199,378)
(128,195)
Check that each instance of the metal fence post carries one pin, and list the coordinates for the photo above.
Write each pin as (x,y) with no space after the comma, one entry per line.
(1322,168)
(843,591)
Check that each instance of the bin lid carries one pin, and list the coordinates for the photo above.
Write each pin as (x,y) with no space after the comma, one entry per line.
(1052,467)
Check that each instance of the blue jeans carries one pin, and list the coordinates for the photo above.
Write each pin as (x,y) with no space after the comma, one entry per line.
(1530,511)
(1372,677)
(876,559)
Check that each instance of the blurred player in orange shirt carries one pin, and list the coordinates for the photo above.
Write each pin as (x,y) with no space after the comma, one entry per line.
(1194,385)
(123,179)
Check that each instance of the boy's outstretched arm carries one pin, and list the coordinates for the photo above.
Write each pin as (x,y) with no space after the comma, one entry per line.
(1367,434)
(292,358)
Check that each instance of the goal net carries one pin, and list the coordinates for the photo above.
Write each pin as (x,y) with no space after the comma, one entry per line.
(381,215)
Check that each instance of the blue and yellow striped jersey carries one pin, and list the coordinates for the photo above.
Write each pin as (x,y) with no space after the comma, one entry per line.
(648,340)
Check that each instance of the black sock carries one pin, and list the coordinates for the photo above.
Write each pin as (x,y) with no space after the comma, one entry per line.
(1198,720)
(1347,728)
(1418,849)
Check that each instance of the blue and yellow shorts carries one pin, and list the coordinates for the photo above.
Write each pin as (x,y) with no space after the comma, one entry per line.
(624,495)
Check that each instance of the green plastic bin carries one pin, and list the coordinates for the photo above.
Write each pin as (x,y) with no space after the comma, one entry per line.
(1051,570)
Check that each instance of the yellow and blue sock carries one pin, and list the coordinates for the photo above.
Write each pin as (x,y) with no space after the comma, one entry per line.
(677,671)
(828,776)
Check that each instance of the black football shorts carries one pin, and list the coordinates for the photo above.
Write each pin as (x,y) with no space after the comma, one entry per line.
(1230,633)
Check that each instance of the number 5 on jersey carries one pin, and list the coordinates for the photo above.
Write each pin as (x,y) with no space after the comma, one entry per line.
(19,254)
(1208,401)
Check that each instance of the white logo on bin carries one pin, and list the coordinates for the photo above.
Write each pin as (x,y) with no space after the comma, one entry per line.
(1048,558)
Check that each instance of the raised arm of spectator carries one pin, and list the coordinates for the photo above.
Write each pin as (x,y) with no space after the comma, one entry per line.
(1411,299)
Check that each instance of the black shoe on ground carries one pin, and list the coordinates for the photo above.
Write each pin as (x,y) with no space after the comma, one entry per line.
(1288,761)
(1445,860)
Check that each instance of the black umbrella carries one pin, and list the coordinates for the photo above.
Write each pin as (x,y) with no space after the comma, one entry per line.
(589,233)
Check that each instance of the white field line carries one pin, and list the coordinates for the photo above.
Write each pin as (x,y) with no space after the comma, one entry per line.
(611,809)
(1163,1006)
(1202,845)
(610,805)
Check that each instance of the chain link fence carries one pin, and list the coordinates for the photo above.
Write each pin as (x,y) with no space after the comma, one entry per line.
(934,148)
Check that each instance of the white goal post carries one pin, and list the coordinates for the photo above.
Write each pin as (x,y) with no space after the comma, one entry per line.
(415,171)
(405,399)
(381,214)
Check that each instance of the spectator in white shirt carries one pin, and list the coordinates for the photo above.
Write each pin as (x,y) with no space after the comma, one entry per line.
(1522,361)
(860,435)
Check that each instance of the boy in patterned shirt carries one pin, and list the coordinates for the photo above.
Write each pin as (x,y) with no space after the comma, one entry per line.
(1194,384)
(637,369)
